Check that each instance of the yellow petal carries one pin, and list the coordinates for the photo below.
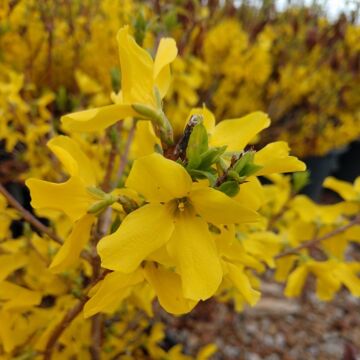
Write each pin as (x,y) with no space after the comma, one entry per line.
(70,197)
(207,117)
(73,158)
(17,296)
(217,208)
(10,263)
(145,139)
(284,266)
(158,179)
(141,233)
(111,291)
(240,280)
(136,70)
(348,277)
(194,249)
(326,286)
(237,133)
(296,281)
(165,55)
(275,158)
(207,351)
(343,188)
(251,194)
(167,286)
(70,251)
(86,84)
(97,119)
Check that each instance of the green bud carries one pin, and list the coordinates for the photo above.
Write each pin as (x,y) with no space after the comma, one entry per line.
(300,180)
(102,204)
(115,76)
(158,97)
(62,99)
(230,188)
(234,175)
(159,120)
(246,158)
(197,145)
(147,112)
(98,193)
(140,26)
(250,169)
(211,156)
(201,174)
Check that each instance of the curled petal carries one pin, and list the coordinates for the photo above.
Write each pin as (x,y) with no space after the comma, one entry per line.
(70,197)
(70,251)
(240,280)
(167,286)
(165,55)
(274,158)
(111,291)
(73,158)
(97,119)
(343,188)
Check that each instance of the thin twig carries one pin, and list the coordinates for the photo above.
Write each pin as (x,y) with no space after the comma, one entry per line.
(59,329)
(68,318)
(124,157)
(96,336)
(30,218)
(106,185)
(314,242)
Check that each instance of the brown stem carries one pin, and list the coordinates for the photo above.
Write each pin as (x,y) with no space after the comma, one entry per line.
(316,241)
(67,319)
(273,220)
(106,185)
(96,336)
(27,216)
(124,157)
(65,322)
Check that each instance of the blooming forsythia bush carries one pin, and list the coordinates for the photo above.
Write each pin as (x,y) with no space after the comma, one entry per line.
(142,207)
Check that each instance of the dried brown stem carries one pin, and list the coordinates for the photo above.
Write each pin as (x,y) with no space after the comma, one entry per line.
(317,240)
(27,216)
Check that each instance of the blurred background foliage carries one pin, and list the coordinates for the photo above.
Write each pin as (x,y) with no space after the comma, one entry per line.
(297,64)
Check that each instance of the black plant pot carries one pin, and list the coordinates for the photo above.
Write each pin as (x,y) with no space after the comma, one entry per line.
(349,163)
(320,167)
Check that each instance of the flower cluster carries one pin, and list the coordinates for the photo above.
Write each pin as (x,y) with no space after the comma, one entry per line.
(149,198)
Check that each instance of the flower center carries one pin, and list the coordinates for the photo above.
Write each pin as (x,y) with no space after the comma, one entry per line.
(180,206)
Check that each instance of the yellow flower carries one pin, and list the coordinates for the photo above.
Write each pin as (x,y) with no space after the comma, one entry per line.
(177,217)
(346,190)
(330,275)
(144,83)
(73,197)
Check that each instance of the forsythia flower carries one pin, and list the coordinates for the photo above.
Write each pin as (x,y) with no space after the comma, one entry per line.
(73,197)
(177,217)
(144,83)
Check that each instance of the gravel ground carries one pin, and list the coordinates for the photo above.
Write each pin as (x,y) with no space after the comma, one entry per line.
(275,329)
